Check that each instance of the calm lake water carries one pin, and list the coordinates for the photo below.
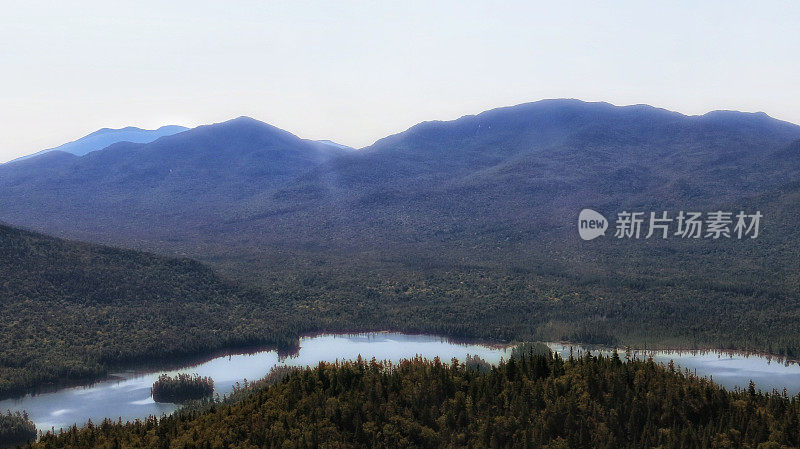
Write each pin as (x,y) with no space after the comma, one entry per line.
(128,396)
(731,370)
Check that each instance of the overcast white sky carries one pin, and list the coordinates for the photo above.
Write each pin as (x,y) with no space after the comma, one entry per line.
(357,71)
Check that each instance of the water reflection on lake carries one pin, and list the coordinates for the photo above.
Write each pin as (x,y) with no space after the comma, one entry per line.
(728,369)
(128,397)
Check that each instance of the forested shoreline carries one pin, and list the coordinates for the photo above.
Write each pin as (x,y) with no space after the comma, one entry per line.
(73,312)
(533,400)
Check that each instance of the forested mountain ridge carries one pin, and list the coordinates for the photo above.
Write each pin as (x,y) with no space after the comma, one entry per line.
(176,182)
(466,227)
(554,154)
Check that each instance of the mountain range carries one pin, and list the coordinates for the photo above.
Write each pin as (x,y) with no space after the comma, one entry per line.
(511,172)
(453,207)
(104,137)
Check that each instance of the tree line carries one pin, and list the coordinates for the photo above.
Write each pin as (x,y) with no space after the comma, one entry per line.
(533,400)
(16,429)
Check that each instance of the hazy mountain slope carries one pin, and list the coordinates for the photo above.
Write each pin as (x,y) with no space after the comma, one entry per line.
(563,140)
(107,136)
(25,170)
(334,144)
(178,182)
(451,224)
(506,175)
(531,168)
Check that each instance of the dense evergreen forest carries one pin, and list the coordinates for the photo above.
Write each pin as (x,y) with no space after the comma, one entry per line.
(16,429)
(71,312)
(533,400)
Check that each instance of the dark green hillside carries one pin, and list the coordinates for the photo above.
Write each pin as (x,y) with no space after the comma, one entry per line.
(530,402)
(70,311)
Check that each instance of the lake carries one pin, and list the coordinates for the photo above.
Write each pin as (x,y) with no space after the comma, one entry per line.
(127,396)
(728,369)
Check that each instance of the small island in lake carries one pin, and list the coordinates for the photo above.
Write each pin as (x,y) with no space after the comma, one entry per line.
(182,388)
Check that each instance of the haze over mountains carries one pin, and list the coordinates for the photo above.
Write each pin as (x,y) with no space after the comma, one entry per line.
(444,215)
(104,137)
(496,186)
(516,167)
